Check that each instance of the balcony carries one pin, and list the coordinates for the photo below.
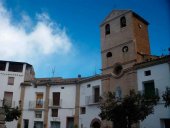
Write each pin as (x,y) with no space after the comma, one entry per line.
(55,104)
(149,94)
(92,100)
(11,104)
(36,104)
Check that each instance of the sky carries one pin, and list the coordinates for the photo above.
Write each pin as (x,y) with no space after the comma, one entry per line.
(61,38)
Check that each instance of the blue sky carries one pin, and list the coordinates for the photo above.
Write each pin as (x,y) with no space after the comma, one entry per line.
(63,35)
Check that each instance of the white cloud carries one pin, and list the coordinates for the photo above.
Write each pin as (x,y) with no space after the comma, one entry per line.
(45,38)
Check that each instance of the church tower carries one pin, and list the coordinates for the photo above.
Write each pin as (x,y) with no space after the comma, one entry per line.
(124,42)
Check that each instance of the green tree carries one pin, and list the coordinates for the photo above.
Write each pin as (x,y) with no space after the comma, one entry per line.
(11,113)
(166,97)
(127,111)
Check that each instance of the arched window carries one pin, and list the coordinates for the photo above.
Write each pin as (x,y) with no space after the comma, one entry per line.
(109,54)
(107,29)
(123,22)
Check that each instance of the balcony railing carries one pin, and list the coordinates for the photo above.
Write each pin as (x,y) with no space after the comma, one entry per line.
(11,104)
(154,93)
(36,104)
(92,100)
(55,104)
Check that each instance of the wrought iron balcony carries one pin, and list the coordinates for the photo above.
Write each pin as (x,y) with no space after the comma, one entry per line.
(53,103)
(36,104)
(92,100)
(152,93)
(11,104)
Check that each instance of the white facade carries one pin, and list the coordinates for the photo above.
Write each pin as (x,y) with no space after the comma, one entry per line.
(88,90)
(160,75)
(66,107)
(67,103)
(13,87)
(29,104)
(87,100)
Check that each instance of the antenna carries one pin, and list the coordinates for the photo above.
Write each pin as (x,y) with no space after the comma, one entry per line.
(53,72)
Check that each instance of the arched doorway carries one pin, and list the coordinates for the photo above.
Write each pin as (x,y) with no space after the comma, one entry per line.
(95,123)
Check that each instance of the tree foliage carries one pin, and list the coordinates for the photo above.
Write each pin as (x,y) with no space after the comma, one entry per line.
(127,111)
(11,113)
(166,97)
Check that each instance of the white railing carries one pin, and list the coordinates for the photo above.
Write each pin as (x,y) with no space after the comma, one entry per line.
(90,100)
(52,104)
(36,104)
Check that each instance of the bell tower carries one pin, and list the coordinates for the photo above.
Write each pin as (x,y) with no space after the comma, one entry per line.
(124,41)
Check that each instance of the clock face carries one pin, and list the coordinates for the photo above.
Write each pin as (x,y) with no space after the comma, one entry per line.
(125,49)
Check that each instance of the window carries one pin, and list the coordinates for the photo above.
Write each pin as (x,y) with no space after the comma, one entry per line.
(39,100)
(2,66)
(10,80)
(107,29)
(54,112)
(38,114)
(15,67)
(89,85)
(55,124)
(149,89)
(148,73)
(83,110)
(123,22)
(118,93)
(26,123)
(56,98)
(96,94)
(125,49)
(8,98)
(38,124)
(109,54)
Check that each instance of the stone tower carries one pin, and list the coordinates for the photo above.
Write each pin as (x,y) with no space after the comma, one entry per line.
(124,42)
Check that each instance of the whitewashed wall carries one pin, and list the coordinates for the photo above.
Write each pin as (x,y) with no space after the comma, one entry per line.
(161,76)
(30,95)
(18,79)
(92,111)
(67,109)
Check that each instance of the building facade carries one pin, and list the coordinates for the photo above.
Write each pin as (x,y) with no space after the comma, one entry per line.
(153,78)
(12,74)
(61,103)
(124,37)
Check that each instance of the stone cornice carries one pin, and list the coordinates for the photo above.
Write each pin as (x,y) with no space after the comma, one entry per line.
(152,62)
